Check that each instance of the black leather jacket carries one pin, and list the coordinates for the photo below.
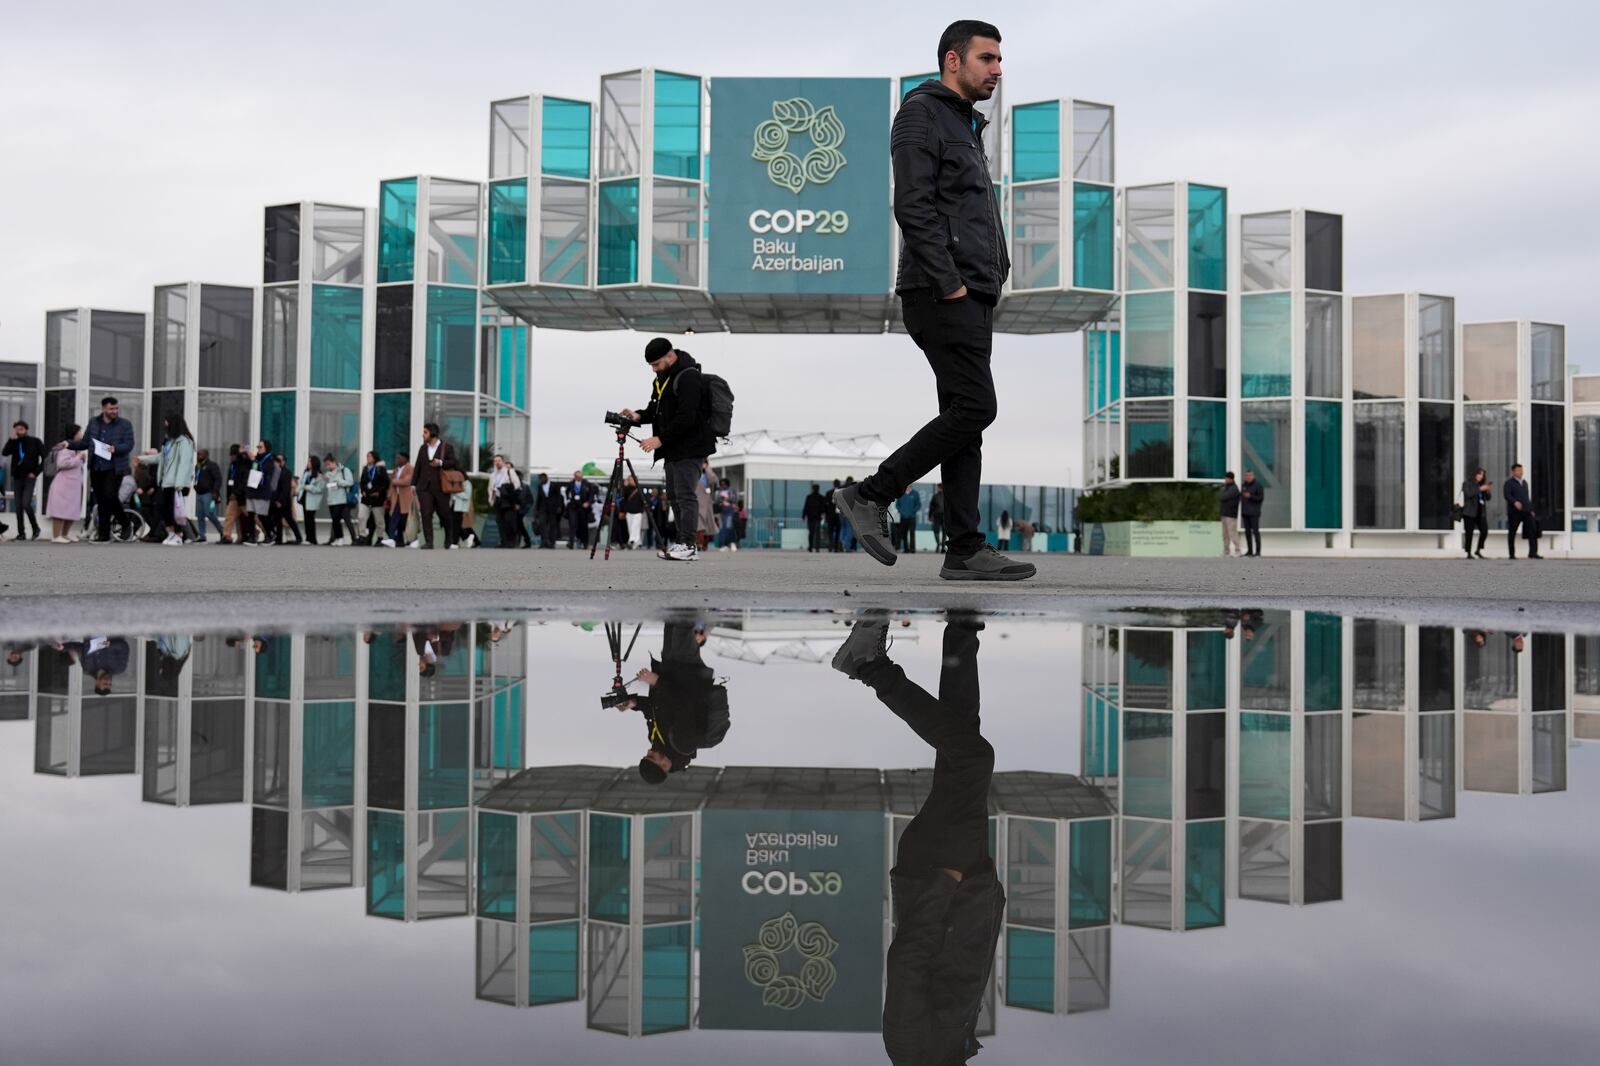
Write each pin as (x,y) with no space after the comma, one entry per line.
(944,201)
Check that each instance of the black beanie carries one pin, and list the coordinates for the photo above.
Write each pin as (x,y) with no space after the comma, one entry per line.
(657,348)
(652,773)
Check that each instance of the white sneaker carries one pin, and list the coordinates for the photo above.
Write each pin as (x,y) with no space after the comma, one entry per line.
(59,540)
(735,547)
(453,547)
(172,540)
(683,553)
(415,544)
(386,542)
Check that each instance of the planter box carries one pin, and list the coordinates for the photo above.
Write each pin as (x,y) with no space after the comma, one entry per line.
(1173,539)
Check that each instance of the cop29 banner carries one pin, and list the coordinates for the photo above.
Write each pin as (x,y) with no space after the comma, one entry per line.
(799,186)
(791,920)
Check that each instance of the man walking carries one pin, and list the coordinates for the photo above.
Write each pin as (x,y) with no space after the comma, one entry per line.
(207,481)
(953,263)
(1230,516)
(26,453)
(434,457)
(814,511)
(580,503)
(936,516)
(908,507)
(1520,515)
(109,441)
(547,510)
(1251,495)
(681,438)
(835,524)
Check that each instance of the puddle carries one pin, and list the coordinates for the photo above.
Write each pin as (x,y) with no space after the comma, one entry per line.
(1238,833)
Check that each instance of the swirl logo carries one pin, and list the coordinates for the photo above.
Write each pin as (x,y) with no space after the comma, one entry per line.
(784,939)
(785,166)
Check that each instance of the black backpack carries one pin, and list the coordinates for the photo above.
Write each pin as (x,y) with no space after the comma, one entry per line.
(716,720)
(716,402)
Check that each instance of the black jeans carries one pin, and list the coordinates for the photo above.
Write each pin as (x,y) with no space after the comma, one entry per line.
(1252,533)
(23,492)
(814,534)
(104,485)
(908,535)
(956,337)
(951,831)
(341,526)
(683,480)
(1479,522)
(1527,523)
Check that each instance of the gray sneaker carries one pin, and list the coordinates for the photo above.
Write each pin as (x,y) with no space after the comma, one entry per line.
(869,521)
(867,643)
(985,564)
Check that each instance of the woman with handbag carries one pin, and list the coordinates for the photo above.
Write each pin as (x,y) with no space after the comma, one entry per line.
(1474,506)
(174,476)
(311,495)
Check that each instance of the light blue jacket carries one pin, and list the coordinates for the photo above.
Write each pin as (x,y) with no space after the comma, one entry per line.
(336,487)
(174,464)
(311,492)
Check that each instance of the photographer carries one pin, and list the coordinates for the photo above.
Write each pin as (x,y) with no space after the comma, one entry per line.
(682,437)
(686,709)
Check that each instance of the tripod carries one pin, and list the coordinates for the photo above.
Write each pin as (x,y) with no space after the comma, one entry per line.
(614,489)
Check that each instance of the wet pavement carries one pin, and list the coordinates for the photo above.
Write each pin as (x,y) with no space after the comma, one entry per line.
(722,836)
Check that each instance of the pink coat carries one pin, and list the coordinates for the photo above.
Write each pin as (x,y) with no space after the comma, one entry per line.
(66,488)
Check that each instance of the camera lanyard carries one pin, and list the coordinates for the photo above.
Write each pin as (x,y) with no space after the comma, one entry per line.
(661,387)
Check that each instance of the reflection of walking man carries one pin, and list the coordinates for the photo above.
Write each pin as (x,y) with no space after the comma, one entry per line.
(948,903)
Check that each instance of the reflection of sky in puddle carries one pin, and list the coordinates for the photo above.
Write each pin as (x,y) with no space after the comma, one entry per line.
(1255,771)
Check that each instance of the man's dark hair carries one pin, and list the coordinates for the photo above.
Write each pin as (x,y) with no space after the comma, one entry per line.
(432,428)
(233,450)
(107,399)
(1515,465)
(266,445)
(1228,474)
(652,774)
(429,669)
(957,37)
(20,422)
(329,458)
(815,487)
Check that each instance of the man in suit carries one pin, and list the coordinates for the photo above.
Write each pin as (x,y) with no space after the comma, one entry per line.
(547,509)
(433,458)
(580,501)
(1520,515)
(1251,495)
(815,512)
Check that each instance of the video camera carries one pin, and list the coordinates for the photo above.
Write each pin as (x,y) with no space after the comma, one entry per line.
(620,421)
(615,698)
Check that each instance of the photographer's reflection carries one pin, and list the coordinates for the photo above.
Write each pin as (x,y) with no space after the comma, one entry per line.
(948,903)
(685,709)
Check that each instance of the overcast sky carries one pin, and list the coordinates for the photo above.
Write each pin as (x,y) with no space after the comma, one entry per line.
(139,144)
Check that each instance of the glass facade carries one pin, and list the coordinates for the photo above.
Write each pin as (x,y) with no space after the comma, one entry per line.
(1149,439)
(1586,461)
(335,337)
(397,230)
(675,234)
(677,126)
(1436,348)
(1093,236)
(1489,361)
(1324,252)
(1264,249)
(1378,347)
(1437,488)
(508,232)
(391,425)
(564,233)
(1208,345)
(280,325)
(1491,442)
(61,355)
(1036,236)
(1036,142)
(564,137)
(281,255)
(451,338)
(393,329)
(621,124)
(1150,221)
(1208,238)
(509,125)
(277,424)
(1549,349)
(452,245)
(619,233)
(1092,142)
(1264,344)
(223,418)
(1325,346)
(1380,466)
(1148,325)
(1208,439)
(227,315)
(169,333)
(116,350)
(334,418)
(1547,466)
(1267,449)
(1324,465)
(338,244)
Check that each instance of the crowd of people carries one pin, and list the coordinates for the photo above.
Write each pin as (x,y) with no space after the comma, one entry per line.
(91,486)
(827,531)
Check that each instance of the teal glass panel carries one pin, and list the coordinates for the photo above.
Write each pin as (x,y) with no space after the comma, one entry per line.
(452,331)
(444,756)
(618,262)
(506,747)
(1089,853)
(1093,739)
(386,864)
(497,866)
(665,1003)
(907,84)
(1105,353)
(552,963)
(1093,237)
(1324,661)
(1203,889)
(511,380)
(1147,774)
(1208,238)
(387,663)
(1149,439)
(1324,465)
(1268,446)
(1147,668)
(1036,142)
(564,138)
(1207,671)
(1264,765)
(1264,347)
(391,436)
(677,125)
(610,848)
(1115,376)
(508,232)
(277,425)
(1030,969)
(273,674)
(1208,438)
(1147,318)
(397,230)
(327,775)
(335,338)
